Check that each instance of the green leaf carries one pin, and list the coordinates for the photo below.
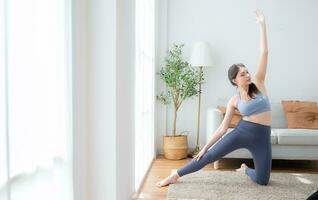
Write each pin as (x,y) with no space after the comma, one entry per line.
(181,79)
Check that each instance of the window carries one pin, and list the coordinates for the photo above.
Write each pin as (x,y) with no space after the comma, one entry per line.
(36,122)
(144,102)
(3,146)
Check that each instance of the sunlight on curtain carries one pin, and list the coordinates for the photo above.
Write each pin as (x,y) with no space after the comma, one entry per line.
(39,99)
(144,138)
(3,138)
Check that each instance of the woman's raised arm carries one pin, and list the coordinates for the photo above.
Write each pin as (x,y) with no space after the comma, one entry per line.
(261,70)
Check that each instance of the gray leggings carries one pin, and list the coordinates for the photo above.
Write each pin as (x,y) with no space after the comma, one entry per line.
(254,137)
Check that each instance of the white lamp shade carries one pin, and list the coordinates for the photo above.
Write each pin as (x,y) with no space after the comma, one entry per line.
(201,55)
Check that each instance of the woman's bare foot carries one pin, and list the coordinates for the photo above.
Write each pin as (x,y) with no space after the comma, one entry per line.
(242,168)
(168,180)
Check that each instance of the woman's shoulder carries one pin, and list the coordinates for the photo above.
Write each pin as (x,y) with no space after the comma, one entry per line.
(234,100)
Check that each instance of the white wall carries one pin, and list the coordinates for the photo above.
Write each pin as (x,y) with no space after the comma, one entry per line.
(104,98)
(230,27)
(101,183)
(80,63)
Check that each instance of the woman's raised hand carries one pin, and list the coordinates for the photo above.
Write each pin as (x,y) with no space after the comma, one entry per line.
(200,154)
(260,19)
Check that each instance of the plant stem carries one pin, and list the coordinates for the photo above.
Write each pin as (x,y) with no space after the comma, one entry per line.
(174,121)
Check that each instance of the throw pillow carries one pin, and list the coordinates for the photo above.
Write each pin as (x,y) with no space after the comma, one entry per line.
(236,116)
(296,105)
(301,114)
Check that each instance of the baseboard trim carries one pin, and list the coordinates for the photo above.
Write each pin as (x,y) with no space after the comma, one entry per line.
(137,193)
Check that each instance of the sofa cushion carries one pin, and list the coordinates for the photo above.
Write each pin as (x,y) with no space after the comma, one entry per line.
(274,138)
(296,136)
(296,105)
(301,114)
(278,119)
(306,118)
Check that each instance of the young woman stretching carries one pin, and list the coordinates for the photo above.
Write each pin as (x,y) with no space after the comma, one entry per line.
(253,131)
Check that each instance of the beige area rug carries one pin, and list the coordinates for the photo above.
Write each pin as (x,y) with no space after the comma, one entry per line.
(233,185)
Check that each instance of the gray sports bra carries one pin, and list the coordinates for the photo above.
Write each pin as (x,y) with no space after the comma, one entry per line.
(259,104)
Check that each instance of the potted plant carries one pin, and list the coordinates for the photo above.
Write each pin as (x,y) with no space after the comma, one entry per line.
(182,82)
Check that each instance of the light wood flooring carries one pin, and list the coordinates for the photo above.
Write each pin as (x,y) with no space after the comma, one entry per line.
(162,167)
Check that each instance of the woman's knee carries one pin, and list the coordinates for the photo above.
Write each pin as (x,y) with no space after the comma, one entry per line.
(262,181)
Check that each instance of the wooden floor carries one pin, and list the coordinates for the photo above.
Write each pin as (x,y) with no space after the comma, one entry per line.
(162,167)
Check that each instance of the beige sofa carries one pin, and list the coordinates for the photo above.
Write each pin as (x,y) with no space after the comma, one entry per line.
(287,144)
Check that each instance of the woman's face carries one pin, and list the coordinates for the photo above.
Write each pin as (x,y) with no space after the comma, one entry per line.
(243,77)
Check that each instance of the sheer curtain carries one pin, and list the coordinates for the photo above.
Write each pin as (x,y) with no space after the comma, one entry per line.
(144,138)
(3,146)
(35,100)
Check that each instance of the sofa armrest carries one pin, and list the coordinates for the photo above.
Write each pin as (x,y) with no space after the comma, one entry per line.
(214,120)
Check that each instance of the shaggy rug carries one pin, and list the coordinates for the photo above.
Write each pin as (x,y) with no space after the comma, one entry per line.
(233,185)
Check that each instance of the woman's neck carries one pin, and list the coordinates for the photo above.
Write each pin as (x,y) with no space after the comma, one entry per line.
(243,90)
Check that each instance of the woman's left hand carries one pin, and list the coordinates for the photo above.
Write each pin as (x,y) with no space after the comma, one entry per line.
(260,19)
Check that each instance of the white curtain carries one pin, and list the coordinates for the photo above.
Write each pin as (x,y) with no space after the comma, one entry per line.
(144,138)
(3,146)
(36,115)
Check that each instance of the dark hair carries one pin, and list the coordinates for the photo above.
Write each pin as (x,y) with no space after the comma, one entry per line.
(232,73)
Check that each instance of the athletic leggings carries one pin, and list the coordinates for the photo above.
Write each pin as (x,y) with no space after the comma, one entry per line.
(254,137)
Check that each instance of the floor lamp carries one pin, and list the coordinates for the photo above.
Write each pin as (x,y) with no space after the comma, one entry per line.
(201,57)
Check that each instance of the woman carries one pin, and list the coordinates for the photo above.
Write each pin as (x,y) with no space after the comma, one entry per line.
(253,130)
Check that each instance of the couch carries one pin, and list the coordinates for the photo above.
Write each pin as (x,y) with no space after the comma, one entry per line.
(287,144)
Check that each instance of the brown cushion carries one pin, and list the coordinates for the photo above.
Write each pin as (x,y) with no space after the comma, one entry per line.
(236,116)
(296,105)
(301,114)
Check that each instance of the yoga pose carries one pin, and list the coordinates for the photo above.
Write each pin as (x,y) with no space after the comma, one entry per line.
(253,131)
